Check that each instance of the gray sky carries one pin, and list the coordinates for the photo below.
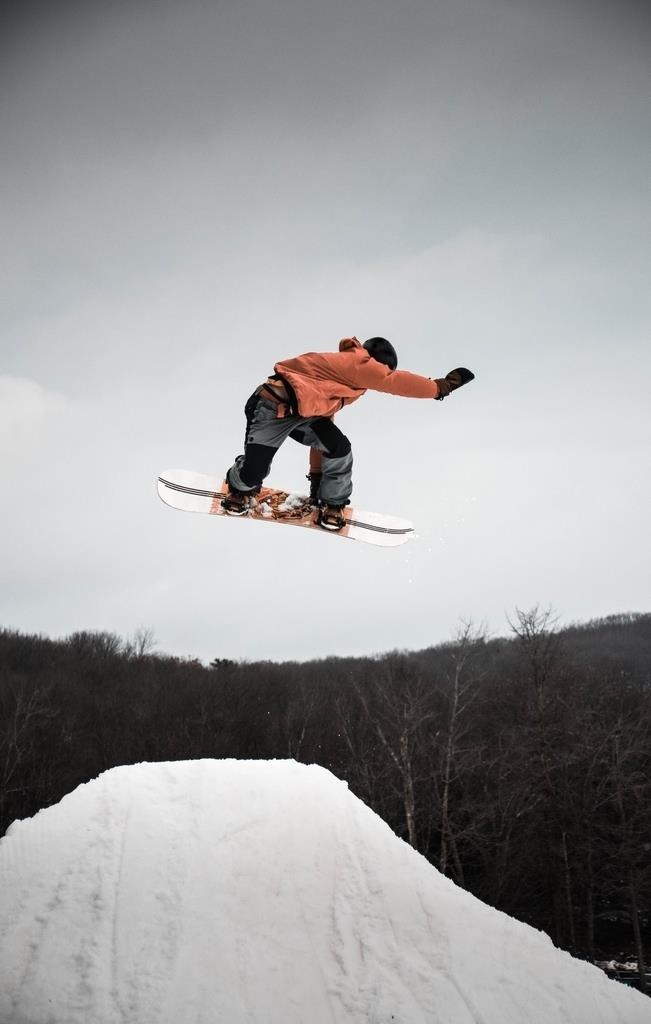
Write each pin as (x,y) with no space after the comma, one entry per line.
(192,192)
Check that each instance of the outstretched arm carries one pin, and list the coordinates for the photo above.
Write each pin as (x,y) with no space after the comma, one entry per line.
(377,377)
(405,384)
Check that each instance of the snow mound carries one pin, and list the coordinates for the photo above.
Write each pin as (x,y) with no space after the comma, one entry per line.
(266,893)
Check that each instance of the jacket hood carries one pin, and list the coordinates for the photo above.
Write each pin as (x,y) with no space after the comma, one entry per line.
(348,344)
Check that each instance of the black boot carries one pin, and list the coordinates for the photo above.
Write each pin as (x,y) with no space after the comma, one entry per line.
(237,503)
(315,485)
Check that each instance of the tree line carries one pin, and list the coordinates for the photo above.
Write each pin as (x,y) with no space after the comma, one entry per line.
(519,766)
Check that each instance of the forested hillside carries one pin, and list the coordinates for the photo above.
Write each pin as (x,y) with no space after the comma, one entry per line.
(520,766)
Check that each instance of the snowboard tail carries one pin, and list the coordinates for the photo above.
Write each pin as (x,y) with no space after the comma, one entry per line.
(197,492)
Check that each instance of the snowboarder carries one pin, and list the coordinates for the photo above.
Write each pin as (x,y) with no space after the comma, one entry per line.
(300,400)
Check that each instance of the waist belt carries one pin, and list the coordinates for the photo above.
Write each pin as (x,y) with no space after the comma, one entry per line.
(278,390)
(275,391)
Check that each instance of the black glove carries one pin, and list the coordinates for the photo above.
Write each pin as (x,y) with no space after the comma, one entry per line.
(453,380)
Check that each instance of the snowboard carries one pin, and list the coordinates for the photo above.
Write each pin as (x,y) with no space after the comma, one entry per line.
(196,492)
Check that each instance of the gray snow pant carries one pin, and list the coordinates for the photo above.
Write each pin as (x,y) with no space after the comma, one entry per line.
(265,433)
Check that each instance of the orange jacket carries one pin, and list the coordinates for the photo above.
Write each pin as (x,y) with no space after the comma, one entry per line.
(324,382)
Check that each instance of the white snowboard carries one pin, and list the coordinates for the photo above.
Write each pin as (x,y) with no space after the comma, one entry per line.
(196,492)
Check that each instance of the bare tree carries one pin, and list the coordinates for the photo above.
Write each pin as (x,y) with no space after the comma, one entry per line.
(536,633)
(536,636)
(303,708)
(398,704)
(23,708)
(141,644)
(100,645)
(462,692)
(631,786)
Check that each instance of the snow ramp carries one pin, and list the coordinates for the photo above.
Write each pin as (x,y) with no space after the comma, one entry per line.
(260,892)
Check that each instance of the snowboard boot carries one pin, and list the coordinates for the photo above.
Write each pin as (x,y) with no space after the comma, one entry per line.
(331,517)
(315,484)
(236,503)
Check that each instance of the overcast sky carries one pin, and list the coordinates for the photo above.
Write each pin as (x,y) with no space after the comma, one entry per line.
(191,192)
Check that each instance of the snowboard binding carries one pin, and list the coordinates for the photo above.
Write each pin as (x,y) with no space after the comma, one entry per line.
(236,503)
(331,517)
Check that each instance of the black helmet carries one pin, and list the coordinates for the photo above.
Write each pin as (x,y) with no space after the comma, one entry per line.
(383,351)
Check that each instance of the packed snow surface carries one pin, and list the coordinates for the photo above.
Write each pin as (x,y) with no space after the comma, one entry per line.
(261,892)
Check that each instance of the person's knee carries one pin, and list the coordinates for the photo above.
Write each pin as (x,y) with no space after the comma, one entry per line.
(342,448)
(336,444)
